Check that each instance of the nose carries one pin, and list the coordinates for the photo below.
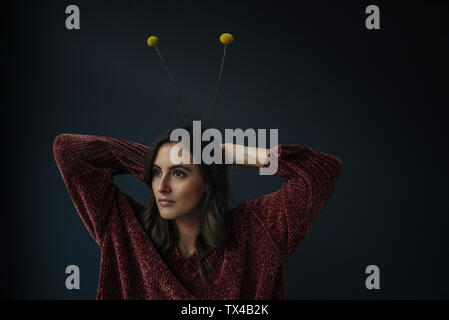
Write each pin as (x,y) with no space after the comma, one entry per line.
(163,186)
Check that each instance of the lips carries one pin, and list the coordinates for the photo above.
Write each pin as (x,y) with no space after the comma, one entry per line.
(165,202)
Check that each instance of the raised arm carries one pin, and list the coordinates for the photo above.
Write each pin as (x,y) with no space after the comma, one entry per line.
(88,165)
(309,179)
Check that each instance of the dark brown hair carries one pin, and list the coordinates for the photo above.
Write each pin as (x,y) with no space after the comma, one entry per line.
(214,212)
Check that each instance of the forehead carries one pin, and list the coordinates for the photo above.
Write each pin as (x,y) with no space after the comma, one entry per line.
(163,158)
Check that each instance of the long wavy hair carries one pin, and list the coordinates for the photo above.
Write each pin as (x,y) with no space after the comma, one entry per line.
(214,212)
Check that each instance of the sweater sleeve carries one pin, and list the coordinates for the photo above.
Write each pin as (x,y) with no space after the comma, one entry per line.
(309,179)
(88,165)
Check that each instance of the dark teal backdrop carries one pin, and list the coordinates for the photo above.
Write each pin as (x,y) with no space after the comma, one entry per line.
(311,69)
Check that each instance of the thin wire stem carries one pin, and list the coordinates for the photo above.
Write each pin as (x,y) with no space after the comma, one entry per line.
(174,83)
(218,86)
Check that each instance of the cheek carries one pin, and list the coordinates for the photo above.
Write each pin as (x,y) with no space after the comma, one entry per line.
(153,186)
(192,192)
(154,189)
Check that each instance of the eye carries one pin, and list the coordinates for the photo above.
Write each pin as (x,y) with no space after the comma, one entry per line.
(155,172)
(179,173)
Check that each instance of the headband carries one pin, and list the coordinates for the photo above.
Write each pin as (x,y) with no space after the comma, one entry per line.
(225,39)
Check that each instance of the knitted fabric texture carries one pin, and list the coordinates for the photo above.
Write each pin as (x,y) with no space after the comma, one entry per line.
(266,230)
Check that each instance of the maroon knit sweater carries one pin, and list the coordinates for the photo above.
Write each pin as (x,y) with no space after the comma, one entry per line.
(266,230)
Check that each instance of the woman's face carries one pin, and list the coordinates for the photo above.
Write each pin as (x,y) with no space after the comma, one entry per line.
(182,184)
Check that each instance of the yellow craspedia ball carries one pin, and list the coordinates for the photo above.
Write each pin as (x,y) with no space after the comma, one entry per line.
(153,41)
(226,38)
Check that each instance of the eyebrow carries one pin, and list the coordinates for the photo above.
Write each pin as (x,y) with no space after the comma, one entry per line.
(175,167)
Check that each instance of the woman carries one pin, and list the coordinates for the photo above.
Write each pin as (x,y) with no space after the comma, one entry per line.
(187,244)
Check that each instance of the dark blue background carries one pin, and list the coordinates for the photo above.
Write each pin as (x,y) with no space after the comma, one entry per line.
(311,69)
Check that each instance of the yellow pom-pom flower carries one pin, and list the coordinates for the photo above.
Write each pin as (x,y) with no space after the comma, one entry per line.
(152,41)
(226,38)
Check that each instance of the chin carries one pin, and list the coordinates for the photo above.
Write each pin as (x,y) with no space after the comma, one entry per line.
(167,215)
